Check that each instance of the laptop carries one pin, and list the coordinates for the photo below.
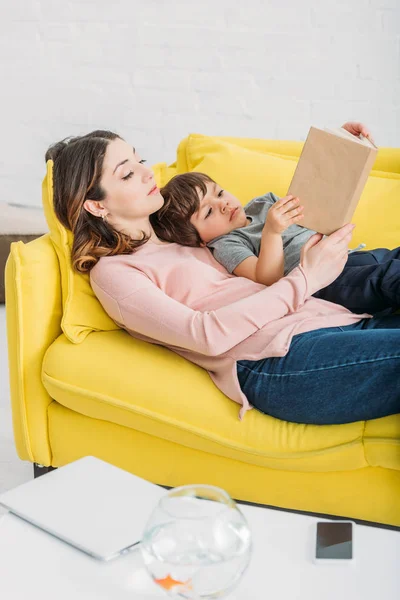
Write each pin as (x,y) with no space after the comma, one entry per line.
(93,506)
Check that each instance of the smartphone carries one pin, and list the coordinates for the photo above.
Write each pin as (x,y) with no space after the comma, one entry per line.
(334,542)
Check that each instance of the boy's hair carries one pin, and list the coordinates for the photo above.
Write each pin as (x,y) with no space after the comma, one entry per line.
(181,200)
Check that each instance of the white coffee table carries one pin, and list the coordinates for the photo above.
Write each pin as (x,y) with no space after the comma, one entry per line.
(34,564)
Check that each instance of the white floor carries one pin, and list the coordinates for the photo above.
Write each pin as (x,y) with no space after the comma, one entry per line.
(13,471)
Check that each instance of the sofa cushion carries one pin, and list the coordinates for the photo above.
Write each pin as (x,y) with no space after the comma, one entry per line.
(245,173)
(280,148)
(377,216)
(248,173)
(387,160)
(82,312)
(116,378)
(382,442)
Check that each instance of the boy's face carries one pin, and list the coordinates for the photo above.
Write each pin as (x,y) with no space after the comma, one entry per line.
(219,213)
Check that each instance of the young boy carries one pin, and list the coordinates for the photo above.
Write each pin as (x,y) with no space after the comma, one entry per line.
(262,241)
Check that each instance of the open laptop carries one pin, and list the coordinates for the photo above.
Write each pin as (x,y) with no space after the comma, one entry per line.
(89,504)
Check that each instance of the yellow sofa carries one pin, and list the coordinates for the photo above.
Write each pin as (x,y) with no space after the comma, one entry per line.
(80,386)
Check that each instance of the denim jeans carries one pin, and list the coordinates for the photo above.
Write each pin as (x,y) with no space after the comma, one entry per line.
(332,375)
(369,283)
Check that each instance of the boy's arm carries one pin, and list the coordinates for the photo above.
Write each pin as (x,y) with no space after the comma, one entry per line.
(247,268)
(271,261)
(269,266)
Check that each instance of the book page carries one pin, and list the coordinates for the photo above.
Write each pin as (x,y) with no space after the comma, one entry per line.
(349,136)
(367,141)
(344,133)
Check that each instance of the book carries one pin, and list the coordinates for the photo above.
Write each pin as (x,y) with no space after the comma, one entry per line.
(330,176)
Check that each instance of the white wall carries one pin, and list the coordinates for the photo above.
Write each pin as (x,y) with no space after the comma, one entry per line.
(155,70)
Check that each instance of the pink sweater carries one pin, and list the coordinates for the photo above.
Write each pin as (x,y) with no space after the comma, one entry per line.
(182,298)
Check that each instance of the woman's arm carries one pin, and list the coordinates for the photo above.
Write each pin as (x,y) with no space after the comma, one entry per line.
(150,312)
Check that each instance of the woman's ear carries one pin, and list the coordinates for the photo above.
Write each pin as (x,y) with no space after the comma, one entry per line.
(94,207)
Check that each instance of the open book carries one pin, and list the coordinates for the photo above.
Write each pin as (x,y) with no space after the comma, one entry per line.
(330,176)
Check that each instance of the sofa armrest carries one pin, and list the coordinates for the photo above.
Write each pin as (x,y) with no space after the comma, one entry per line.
(33,312)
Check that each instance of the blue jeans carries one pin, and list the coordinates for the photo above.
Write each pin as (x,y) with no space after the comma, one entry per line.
(369,283)
(332,375)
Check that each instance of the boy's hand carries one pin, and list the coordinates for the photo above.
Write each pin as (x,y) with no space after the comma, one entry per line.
(357,128)
(287,211)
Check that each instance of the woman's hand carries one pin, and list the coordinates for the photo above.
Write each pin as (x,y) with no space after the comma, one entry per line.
(358,128)
(324,259)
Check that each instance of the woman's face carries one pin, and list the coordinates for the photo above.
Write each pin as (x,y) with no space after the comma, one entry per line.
(131,191)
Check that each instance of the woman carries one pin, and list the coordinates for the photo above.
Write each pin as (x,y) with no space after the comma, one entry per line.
(276,348)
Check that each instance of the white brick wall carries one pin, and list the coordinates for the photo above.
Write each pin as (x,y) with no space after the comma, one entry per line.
(155,71)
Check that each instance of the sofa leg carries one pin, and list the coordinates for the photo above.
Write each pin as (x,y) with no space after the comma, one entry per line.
(39,470)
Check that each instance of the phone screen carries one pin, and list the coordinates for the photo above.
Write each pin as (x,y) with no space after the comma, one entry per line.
(334,541)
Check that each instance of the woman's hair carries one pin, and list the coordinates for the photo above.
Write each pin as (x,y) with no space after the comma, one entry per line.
(181,200)
(78,163)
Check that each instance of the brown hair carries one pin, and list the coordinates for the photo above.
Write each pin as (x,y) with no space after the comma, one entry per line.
(181,201)
(78,163)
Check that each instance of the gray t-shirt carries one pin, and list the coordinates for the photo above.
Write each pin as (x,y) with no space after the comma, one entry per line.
(232,248)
